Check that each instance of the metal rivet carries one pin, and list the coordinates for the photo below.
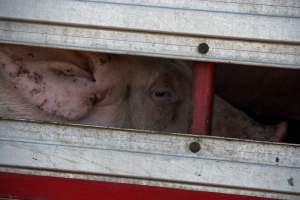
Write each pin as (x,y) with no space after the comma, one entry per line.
(203,48)
(195,147)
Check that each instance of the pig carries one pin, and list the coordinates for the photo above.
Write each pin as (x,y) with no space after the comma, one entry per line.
(113,91)
(100,89)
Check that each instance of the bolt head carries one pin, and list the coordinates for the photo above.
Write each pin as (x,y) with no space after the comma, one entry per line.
(195,147)
(203,48)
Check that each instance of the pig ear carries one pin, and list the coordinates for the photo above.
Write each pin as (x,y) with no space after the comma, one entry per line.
(58,88)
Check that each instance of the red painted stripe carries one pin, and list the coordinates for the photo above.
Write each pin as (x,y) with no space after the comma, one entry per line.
(203,97)
(53,188)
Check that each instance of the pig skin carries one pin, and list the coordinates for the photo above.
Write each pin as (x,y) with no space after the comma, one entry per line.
(113,90)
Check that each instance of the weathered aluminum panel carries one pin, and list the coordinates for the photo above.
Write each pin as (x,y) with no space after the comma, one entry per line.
(248,32)
(151,158)
(150,44)
(157,18)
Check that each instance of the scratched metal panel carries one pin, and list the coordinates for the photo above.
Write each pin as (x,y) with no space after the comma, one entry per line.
(160,19)
(251,32)
(151,158)
(290,8)
(150,44)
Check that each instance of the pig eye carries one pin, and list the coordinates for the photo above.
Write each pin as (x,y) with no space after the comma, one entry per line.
(164,95)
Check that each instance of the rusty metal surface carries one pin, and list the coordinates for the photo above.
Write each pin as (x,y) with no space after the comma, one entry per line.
(250,32)
(151,158)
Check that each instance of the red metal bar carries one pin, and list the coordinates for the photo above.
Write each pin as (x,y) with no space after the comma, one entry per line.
(17,186)
(203,97)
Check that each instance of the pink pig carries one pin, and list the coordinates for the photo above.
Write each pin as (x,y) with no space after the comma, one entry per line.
(111,90)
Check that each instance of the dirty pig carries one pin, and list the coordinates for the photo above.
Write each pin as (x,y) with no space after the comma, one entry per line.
(112,90)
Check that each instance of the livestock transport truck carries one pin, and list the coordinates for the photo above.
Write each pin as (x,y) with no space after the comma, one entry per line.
(63,161)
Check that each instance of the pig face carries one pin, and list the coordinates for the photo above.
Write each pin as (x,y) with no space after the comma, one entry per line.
(159,96)
(99,89)
(142,93)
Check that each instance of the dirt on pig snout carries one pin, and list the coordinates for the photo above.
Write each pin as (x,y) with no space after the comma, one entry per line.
(112,90)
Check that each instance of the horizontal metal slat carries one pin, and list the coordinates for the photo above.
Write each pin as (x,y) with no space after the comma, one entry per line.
(207,23)
(150,44)
(287,8)
(263,33)
(234,166)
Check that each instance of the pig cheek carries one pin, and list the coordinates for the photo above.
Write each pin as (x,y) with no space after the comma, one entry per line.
(155,116)
(165,116)
(140,111)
